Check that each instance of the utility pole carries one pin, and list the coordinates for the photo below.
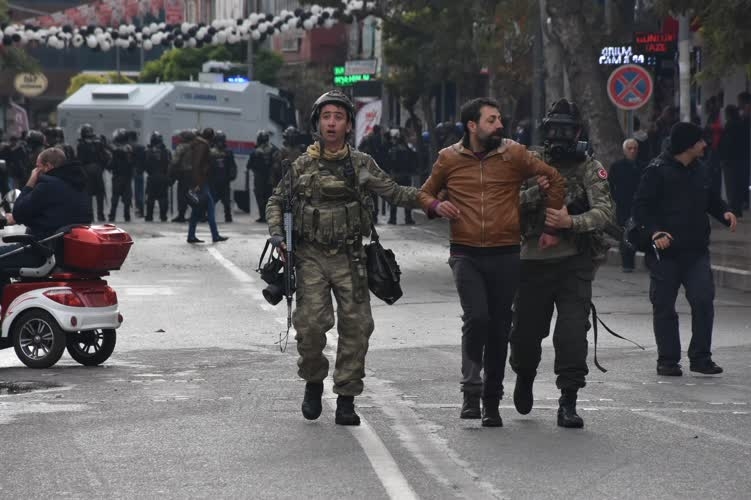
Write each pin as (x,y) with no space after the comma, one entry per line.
(684,67)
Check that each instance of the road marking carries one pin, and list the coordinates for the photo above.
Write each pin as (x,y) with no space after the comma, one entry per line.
(145,291)
(696,428)
(380,458)
(238,273)
(732,270)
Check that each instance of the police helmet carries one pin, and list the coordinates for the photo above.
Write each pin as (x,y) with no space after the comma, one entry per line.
(132,135)
(86,131)
(187,135)
(35,138)
(290,132)
(120,136)
(208,134)
(59,134)
(220,138)
(262,137)
(331,97)
(156,139)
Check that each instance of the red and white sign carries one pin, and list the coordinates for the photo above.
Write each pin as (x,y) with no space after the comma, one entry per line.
(630,87)
(367,116)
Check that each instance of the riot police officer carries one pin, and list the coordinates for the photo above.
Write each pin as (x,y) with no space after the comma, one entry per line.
(264,159)
(122,173)
(402,163)
(290,151)
(561,275)
(139,167)
(332,212)
(35,144)
(95,157)
(157,163)
(222,172)
(181,171)
(55,137)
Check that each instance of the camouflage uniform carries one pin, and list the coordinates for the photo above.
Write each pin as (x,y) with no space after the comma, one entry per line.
(560,276)
(330,218)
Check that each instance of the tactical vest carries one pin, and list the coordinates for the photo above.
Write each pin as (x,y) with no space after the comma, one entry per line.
(329,210)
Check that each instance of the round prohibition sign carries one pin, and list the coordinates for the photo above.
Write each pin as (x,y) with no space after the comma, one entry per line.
(630,87)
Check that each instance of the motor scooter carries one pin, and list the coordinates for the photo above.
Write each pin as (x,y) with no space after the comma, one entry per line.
(64,303)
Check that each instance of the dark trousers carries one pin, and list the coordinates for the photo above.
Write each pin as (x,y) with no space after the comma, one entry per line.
(138,191)
(99,197)
(407,215)
(486,286)
(736,187)
(121,189)
(565,284)
(163,200)
(221,193)
(183,184)
(666,277)
(263,193)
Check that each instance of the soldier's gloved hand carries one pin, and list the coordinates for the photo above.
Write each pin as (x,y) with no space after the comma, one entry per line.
(277,241)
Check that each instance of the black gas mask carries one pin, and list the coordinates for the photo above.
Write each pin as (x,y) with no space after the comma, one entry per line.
(272,272)
(561,129)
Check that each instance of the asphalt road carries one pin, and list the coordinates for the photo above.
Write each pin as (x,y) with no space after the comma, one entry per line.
(198,401)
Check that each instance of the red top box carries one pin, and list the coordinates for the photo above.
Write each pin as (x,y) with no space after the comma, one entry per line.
(96,248)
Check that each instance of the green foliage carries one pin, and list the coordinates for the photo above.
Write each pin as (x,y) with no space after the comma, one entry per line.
(14,59)
(724,27)
(184,64)
(82,79)
(266,66)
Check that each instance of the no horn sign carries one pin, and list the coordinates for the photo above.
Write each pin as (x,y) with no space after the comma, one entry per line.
(630,87)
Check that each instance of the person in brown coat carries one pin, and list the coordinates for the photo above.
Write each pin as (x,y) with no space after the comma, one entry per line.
(482,177)
(200,148)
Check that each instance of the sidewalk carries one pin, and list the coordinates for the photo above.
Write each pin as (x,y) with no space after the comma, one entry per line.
(731,255)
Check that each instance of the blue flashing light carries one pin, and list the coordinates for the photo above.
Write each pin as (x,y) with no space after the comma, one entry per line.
(236,79)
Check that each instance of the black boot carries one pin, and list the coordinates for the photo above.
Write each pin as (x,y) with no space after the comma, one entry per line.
(490,415)
(471,406)
(311,403)
(567,416)
(523,398)
(345,411)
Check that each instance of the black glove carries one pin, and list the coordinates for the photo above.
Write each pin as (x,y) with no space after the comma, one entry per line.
(276,241)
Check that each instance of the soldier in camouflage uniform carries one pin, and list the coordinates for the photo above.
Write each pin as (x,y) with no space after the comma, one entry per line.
(332,212)
(562,275)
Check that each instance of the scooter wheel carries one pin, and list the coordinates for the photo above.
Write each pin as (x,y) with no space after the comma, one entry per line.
(37,339)
(91,347)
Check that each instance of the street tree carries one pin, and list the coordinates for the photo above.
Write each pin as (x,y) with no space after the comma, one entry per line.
(12,58)
(577,28)
(724,29)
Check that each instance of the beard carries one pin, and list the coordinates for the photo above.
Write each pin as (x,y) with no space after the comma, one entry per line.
(492,141)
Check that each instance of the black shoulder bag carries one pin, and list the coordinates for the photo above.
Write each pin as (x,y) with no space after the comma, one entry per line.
(383,271)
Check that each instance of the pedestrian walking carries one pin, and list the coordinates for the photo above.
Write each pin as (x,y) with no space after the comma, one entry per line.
(672,203)
(331,183)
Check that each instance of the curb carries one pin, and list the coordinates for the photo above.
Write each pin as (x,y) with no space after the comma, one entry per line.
(726,277)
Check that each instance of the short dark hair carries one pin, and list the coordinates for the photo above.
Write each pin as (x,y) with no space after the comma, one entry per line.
(471,110)
(53,156)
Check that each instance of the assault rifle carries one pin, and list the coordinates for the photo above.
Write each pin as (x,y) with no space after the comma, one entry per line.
(290,283)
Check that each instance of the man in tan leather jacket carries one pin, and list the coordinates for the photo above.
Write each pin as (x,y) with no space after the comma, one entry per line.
(482,176)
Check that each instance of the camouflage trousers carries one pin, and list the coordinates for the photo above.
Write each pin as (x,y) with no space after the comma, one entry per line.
(318,276)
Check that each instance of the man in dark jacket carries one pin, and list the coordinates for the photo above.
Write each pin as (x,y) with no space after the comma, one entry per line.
(200,154)
(624,179)
(672,202)
(54,196)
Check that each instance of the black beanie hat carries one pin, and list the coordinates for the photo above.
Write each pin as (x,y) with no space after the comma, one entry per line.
(683,135)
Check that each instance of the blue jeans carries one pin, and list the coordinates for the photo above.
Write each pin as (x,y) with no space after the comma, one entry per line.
(195,214)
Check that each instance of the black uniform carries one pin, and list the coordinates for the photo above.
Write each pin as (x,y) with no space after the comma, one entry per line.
(122,179)
(222,171)
(402,164)
(157,160)
(95,157)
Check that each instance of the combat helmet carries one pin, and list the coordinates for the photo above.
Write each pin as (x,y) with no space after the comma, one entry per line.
(331,97)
